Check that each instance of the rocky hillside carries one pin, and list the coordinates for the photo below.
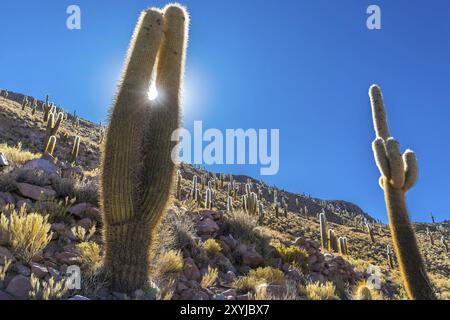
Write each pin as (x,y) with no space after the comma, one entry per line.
(223,252)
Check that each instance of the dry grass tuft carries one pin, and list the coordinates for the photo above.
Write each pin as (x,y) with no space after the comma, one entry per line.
(266,275)
(319,291)
(212,247)
(16,155)
(47,290)
(209,278)
(27,234)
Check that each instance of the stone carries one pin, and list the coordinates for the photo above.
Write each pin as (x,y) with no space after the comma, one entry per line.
(41,164)
(5,296)
(207,227)
(3,160)
(39,270)
(23,270)
(191,271)
(86,223)
(7,198)
(230,277)
(94,213)
(79,209)
(25,202)
(19,287)
(35,192)
(66,257)
(5,253)
(252,258)
(78,297)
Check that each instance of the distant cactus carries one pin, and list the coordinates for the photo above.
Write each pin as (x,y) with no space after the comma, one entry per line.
(363,293)
(178,184)
(342,245)
(50,146)
(261,213)
(444,243)
(208,199)
(332,241)
(323,230)
(52,127)
(370,232)
(48,108)
(137,169)
(430,236)
(75,149)
(230,204)
(250,203)
(390,257)
(24,103)
(399,174)
(432,217)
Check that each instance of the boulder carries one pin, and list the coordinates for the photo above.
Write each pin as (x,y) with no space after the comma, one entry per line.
(79,209)
(41,164)
(35,192)
(5,296)
(252,258)
(38,270)
(207,227)
(19,287)
(191,271)
(5,253)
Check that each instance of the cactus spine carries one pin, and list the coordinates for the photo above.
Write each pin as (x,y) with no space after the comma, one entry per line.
(75,149)
(137,169)
(323,230)
(398,175)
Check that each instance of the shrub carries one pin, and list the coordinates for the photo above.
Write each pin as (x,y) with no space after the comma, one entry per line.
(16,155)
(241,224)
(293,255)
(210,278)
(266,275)
(319,291)
(47,290)
(57,211)
(81,234)
(212,247)
(27,234)
(89,254)
(4,268)
(169,263)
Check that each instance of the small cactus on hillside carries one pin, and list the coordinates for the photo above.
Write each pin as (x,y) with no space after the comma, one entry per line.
(444,243)
(398,175)
(332,241)
(178,185)
(75,149)
(370,232)
(363,293)
(52,126)
(430,236)
(390,257)
(50,146)
(323,230)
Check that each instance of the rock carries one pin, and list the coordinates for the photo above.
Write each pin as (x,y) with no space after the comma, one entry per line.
(25,202)
(219,297)
(41,164)
(7,198)
(191,271)
(35,192)
(58,227)
(207,227)
(39,270)
(78,297)
(5,297)
(230,277)
(19,287)
(79,209)
(21,269)
(5,253)
(252,258)
(67,257)
(3,161)
(230,292)
(54,273)
(201,296)
(317,277)
(94,213)
(243,297)
(86,223)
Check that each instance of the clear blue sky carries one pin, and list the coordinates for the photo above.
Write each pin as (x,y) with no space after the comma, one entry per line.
(301,66)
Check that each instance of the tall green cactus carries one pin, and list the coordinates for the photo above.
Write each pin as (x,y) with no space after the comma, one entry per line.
(323,230)
(398,175)
(75,149)
(137,169)
(52,126)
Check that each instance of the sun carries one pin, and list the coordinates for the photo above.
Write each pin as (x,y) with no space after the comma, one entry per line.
(153,93)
